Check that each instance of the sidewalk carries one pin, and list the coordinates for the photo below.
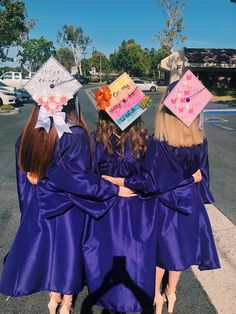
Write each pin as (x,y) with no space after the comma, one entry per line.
(220,284)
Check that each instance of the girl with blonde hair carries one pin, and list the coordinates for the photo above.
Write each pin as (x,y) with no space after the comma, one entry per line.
(176,173)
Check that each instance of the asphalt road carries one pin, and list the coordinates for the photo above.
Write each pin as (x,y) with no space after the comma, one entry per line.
(222,147)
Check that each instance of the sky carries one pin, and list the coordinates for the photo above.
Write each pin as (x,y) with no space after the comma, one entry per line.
(208,23)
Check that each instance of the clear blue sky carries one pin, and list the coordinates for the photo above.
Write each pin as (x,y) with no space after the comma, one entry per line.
(208,23)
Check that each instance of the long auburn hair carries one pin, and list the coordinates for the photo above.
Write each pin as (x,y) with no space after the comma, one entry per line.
(37,146)
(172,130)
(136,133)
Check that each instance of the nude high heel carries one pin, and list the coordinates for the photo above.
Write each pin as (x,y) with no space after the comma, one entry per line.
(170,298)
(54,302)
(158,302)
(65,309)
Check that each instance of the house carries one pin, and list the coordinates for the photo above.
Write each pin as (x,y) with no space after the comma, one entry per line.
(216,68)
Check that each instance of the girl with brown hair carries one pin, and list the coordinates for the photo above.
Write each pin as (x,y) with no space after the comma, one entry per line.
(46,254)
(118,243)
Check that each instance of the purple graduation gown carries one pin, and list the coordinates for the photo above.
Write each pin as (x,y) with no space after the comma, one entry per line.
(184,235)
(119,251)
(46,254)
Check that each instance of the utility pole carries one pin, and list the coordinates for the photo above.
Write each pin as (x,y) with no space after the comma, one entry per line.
(84,52)
(100,71)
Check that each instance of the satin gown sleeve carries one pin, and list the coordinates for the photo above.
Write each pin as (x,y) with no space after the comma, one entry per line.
(71,177)
(21,178)
(163,177)
(203,186)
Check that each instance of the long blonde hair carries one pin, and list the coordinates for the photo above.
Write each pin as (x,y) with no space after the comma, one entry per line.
(172,130)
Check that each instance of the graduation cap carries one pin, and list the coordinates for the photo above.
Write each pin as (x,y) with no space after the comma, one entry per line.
(187,98)
(52,87)
(123,100)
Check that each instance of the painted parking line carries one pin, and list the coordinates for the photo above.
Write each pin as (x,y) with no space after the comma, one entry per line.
(218,122)
(220,284)
(219,111)
(214,119)
(224,127)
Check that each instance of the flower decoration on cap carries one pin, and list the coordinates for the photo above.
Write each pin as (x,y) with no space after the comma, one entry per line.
(53,103)
(103,97)
(146,102)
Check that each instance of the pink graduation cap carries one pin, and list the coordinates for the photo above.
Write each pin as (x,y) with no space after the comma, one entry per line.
(52,87)
(188,98)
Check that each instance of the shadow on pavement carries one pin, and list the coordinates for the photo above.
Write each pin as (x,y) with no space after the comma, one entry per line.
(117,275)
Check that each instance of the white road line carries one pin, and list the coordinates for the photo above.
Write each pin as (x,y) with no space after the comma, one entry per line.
(213,119)
(220,284)
(227,128)
(88,92)
(219,110)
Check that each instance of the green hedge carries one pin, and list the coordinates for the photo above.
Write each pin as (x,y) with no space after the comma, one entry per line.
(6,108)
(224,92)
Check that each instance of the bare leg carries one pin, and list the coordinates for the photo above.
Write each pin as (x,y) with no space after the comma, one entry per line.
(159,275)
(55,300)
(66,304)
(158,300)
(56,296)
(173,280)
(171,288)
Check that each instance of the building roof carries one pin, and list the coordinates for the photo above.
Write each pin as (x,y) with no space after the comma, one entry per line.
(210,55)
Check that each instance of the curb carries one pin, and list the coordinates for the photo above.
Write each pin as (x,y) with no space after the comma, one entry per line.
(10,112)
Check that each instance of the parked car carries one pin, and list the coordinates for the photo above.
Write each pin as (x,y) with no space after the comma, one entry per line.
(5,86)
(21,95)
(7,97)
(14,79)
(28,77)
(82,79)
(145,85)
(160,82)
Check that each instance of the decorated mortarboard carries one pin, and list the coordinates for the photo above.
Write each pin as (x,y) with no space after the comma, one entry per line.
(52,87)
(187,99)
(123,100)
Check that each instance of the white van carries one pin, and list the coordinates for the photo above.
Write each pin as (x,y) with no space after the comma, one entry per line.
(14,79)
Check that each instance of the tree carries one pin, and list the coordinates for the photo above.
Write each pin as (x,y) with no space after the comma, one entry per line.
(35,52)
(155,57)
(85,67)
(76,41)
(100,62)
(131,58)
(174,25)
(13,25)
(65,57)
